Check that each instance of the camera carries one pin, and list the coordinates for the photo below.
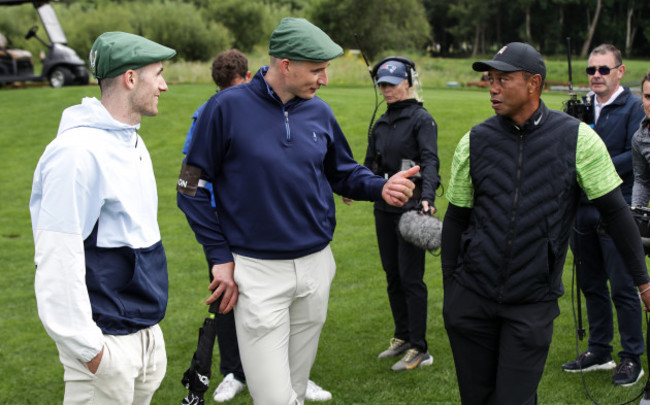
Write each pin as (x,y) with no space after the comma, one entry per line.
(641,216)
(580,109)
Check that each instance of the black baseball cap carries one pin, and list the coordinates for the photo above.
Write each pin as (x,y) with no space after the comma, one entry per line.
(514,57)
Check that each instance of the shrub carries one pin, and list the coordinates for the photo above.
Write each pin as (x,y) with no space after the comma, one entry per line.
(248,21)
(183,27)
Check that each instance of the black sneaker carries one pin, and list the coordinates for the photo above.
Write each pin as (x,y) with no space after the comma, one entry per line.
(627,373)
(589,361)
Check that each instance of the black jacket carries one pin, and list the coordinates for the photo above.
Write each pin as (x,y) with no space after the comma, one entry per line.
(405,131)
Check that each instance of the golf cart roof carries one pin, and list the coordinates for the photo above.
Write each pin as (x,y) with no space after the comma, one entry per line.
(48,17)
(18,2)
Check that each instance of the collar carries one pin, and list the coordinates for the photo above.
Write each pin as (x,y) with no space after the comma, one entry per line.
(398,105)
(611,100)
(616,99)
(263,86)
(645,123)
(536,120)
(399,110)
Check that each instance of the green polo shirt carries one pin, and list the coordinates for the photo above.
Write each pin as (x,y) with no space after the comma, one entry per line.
(595,171)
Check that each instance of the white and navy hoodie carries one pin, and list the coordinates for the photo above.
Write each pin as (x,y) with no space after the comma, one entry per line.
(100,263)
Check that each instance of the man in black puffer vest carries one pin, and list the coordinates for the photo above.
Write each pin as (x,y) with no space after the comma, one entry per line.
(513,192)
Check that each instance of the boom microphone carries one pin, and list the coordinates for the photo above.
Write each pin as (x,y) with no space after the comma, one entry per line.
(422,230)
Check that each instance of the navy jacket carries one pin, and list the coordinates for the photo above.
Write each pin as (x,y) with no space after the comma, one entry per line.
(274,167)
(616,125)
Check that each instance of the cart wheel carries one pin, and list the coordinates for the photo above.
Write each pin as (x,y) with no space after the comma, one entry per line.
(82,77)
(60,76)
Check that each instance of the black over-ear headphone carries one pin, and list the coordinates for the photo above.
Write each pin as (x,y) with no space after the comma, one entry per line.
(408,62)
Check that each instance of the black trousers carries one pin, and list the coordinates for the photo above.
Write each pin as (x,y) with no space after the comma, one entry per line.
(499,350)
(599,263)
(403,263)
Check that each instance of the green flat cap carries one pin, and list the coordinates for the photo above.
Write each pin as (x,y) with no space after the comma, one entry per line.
(113,53)
(298,39)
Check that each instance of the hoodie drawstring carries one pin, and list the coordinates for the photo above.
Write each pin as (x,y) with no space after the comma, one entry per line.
(148,341)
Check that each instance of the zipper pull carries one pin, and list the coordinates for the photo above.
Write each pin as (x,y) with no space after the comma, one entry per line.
(286,124)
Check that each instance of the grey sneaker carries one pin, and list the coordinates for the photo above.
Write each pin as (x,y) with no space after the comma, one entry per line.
(413,359)
(397,347)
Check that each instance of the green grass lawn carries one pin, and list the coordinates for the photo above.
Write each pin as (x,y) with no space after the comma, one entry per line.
(359,323)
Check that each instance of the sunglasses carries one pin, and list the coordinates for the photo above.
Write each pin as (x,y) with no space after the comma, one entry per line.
(603,70)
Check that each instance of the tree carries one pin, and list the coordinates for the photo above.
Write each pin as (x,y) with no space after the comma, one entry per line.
(634,17)
(592,28)
(441,23)
(181,26)
(248,21)
(472,16)
(378,25)
(526,6)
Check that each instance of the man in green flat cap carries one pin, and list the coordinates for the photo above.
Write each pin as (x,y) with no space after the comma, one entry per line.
(274,154)
(101,273)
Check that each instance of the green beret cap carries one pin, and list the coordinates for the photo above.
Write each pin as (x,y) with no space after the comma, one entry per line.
(298,39)
(113,53)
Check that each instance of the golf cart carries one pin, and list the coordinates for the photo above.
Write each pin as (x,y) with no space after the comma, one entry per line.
(61,64)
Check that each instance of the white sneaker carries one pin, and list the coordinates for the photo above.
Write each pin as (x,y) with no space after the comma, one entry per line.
(316,393)
(228,388)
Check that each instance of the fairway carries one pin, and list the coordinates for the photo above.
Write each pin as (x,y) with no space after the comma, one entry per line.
(359,322)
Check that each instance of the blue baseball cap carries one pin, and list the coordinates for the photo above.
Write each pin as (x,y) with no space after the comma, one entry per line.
(392,72)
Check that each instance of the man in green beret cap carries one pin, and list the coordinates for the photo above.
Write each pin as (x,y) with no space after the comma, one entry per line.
(274,154)
(298,39)
(101,273)
(113,53)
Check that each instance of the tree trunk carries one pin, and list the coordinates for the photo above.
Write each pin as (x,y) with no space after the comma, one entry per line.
(499,36)
(529,38)
(482,38)
(629,34)
(592,30)
(477,33)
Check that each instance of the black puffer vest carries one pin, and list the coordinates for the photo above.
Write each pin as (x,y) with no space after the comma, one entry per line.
(526,195)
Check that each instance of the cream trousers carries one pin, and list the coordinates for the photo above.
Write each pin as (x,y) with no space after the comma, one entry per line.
(279,315)
(131,370)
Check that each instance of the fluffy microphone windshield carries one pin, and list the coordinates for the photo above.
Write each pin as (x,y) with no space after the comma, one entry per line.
(424,231)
